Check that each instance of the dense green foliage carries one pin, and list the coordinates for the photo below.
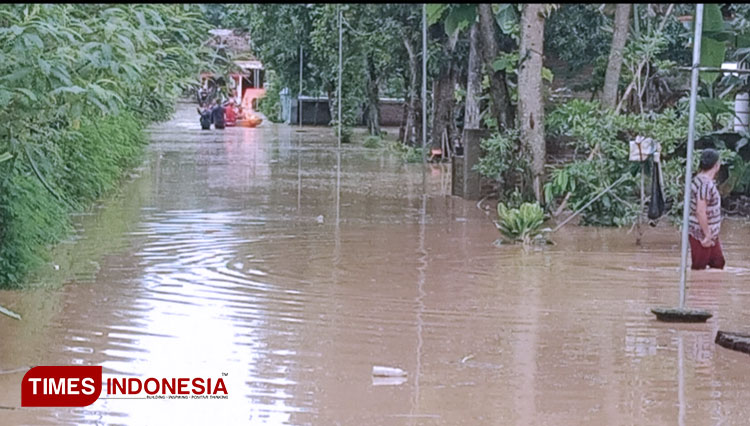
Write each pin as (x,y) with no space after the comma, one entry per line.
(587,128)
(270,104)
(506,161)
(574,34)
(603,136)
(88,164)
(78,83)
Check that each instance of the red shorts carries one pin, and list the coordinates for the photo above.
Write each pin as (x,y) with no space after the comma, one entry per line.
(706,256)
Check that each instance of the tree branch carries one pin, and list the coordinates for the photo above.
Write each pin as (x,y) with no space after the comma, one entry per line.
(631,86)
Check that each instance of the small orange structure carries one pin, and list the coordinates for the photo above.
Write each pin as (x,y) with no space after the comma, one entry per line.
(251,121)
(436,152)
(249,88)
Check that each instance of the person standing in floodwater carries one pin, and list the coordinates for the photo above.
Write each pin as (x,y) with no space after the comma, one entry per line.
(217,114)
(705,214)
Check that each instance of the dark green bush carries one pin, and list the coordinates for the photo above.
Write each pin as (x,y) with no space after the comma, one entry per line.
(80,167)
(80,82)
(30,219)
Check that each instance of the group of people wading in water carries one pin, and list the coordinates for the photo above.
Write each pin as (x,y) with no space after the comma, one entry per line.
(219,113)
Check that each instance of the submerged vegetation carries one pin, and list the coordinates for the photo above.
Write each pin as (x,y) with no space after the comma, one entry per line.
(373,142)
(408,154)
(522,224)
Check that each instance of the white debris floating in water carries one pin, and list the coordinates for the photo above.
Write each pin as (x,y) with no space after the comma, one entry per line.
(379,371)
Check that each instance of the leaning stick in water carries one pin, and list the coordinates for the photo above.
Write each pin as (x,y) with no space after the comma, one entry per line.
(9,313)
(589,203)
(567,196)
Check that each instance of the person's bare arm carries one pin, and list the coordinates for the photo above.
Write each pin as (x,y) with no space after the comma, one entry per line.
(700,214)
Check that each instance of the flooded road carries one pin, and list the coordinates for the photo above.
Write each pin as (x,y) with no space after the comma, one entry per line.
(267,255)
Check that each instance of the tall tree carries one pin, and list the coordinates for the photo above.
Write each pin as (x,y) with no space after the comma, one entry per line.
(530,101)
(473,81)
(412,131)
(405,48)
(501,107)
(619,38)
(443,87)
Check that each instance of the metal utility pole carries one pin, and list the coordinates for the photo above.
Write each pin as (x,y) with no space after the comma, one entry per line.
(691,142)
(299,96)
(340,68)
(682,314)
(424,83)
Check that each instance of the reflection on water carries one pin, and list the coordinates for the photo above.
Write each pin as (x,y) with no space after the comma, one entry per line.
(294,267)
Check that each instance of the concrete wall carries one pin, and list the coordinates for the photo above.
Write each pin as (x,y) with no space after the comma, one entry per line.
(391,113)
(466,182)
(314,112)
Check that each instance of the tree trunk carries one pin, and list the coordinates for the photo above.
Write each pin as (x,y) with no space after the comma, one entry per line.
(530,100)
(373,100)
(441,107)
(473,82)
(332,102)
(404,113)
(443,99)
(501,107)
(619,38)
(411,134)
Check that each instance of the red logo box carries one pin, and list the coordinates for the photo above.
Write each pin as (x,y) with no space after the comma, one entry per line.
(61,386)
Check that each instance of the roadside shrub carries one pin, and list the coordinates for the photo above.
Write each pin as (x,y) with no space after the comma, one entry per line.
(98,155)
(30,219)
(80,83)
(80,167)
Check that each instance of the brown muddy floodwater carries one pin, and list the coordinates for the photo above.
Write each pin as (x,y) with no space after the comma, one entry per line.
(265,254)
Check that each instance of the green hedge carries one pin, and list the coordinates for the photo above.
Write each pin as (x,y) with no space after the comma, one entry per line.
(86,165)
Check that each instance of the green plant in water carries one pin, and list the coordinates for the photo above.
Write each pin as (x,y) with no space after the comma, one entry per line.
(346,134)
(373,142)
(522,224)
(408,154)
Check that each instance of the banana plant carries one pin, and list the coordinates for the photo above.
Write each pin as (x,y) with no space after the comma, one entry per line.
(522,224)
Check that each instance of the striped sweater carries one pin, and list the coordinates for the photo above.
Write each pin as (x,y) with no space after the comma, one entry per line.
(704,188)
